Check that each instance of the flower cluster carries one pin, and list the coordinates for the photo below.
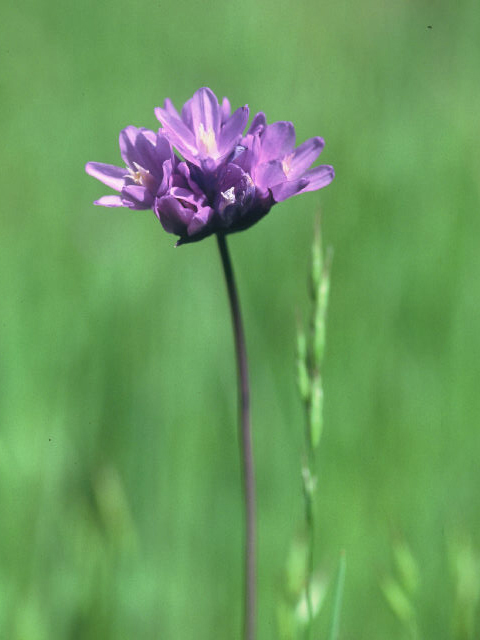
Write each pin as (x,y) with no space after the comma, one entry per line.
(225,181)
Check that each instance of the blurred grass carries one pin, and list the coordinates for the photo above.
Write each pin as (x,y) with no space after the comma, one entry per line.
(119,491)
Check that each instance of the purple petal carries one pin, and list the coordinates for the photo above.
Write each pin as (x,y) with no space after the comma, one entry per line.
(173,216)
(136,146)
(278,140)
(151,136)
(166,178)
(226,110)
(230,177)
(150,154)
(205,111)
(181,192)
(126,141)
(109,201)
(247,153)
(163,148)
(138,196)
(187,114)
(169,106)
(147,156)
(109,174)
(200,220)
(319,177)
(183,172)
(235,188)
(232,130)
(288,189)
(269,174)
(242,157)
(303,157)
(208,165)
(163,162)
(259,123)
(178,133)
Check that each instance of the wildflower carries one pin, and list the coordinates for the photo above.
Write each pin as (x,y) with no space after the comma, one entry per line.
(226,181)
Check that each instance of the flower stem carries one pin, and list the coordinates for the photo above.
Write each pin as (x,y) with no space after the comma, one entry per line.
(245,438)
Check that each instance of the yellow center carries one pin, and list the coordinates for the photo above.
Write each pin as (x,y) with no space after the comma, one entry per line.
(286,162)
(207,143)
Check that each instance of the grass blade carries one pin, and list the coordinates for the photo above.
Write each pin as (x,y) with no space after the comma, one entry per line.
(337,605)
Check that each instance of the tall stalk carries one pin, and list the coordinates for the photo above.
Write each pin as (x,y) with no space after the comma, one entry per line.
(245,439)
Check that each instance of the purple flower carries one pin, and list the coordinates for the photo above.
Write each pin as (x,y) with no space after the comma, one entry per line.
(205,133)
(149,161)
(226,181)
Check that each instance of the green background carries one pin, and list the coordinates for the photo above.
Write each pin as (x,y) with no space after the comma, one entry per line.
(120,503)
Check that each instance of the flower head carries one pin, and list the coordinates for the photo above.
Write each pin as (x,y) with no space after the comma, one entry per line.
(226,181)
(149,161)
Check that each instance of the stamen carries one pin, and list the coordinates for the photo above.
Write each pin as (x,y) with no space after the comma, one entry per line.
(228,199)
(141,176)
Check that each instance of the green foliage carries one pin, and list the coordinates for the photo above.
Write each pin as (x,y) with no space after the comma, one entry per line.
(309,605)
(294,609)
(465,566)
(401,589)
(398,601)
(406,567)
